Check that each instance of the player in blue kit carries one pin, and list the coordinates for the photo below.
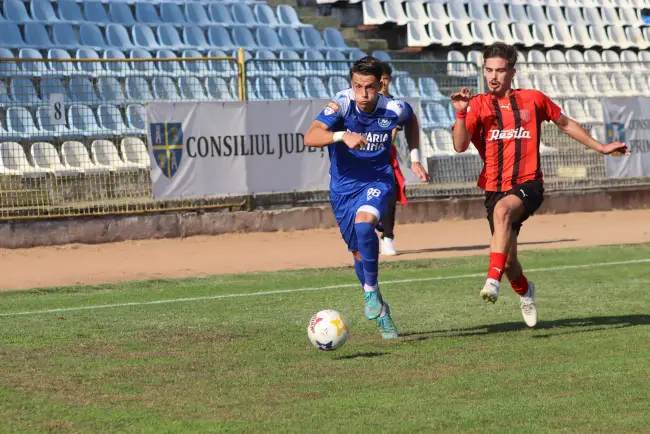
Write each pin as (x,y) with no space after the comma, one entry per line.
(356,126)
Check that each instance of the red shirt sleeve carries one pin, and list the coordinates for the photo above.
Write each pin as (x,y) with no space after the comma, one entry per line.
(550,110)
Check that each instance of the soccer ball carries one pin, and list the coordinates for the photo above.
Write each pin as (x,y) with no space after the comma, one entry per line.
(328,330)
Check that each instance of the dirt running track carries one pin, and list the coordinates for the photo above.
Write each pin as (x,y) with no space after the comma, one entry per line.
(203,255)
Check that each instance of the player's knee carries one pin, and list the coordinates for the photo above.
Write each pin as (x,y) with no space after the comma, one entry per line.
(365,232)
(502,215)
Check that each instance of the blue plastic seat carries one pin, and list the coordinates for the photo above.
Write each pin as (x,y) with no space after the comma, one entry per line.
(218,36)
(291,88)
(51,85)
(10,36)
(110,119)
(242,14)
(135,118)
(438,115)
(265,64)
(83,121)
(110,91)
(407,87)
(164,89)
(340,64)
(195,14)
(292,64)
(143,37)
(59,68)
(172,69)
(120,69)
(168,37)
(118,37)
(121,13)
(16,12)
(23,92)
(64,36)
(244,38)
(223,68)
(8,69)
(142,67)
(315,88)
(91,36)
(191,89)
(42,10)
(219,89)
(194,67)
(95,13)
(36,36)
(429,89)
(267,38)
(20,123)
(313,67)
(137,90)
(267,88)
(356,54)
(5,100)
(89,68)
(193,36)
(171,13)
(311,38)
(219,14)
(145,13)
(34,69)
(287,15)
(290,38)
(46,126)
(385,57)
(82,91)
(69,10)
(337,83)
(334,39)
(264,15)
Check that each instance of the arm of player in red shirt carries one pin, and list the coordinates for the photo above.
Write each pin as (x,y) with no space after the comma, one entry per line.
(552,112)
(467,119)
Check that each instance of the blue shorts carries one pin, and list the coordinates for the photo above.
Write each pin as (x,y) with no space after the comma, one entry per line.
(373,199)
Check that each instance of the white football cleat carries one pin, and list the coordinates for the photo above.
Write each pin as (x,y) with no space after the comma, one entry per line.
(490,291)
(527,305)
(388,247)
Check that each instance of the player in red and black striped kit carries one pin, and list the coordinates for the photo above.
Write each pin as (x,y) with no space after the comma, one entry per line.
(505,126)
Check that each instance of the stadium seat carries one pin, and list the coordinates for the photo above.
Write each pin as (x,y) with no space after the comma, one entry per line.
(242,14)
(406,87)
(95,13)
(91,37)
(13,161)
(31,69)
(334,39)
(169,68)
(460,33)
(168,37)
(145,13)
(564,86)
(20,124)
(191,88)
(193,36)
(218,36)
(111,120)
(481,33)
(438,34)
(603,85)
(373,13)
(501,32)
(121,13)
(23,92)
(119,69)
(543,81)
(64,36)
(75,157)
(313,67)
(118,37)
(135,118)
(581,34)
(457,11)
(437,12)
(395,12)
(523,81)
(315,88)
(429,89)
(15,11)
(356,54)
(522,32)
(83,121)
(46,126)
(562,34)
(5,100)
(287,16)
(51,85)
(576,59)
(635,36)
(219,14)
(311,38)
(611,61)
(622,85)
(594,109)
(267,88)
(266,37)
(45,157)
(417,36)
(336,84)
(194,67)
(59,69)
(142,67)
(477,11)
(8,69)
(290,38)
(134,152)
(70,11)
(519,15)
(442,142)
(219,89)
(164,89)
(264,15)
(195,14)
(599,35)
(10,36)
(291,88)
(223,68)
(243,37)
(575,110)
(574,16)
(36,36)
(630,17)
(105,156)
(82,91)
(542,32)
(171,13)
(42,10)
(137,90)
(264,64)
(340,64)
(292,64)
(498,13)
(537,15)
(616,34)
(143,37)
(583,85)
(536,61)
(631,61)
(110,91)
(456,65)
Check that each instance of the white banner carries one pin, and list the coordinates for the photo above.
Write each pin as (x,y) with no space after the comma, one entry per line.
(627,120)
(235,148)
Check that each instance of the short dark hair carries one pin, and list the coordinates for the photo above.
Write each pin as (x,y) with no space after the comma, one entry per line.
(504,51)
(367,66)
(387,69)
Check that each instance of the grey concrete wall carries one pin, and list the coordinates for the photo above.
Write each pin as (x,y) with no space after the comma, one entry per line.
(105,229)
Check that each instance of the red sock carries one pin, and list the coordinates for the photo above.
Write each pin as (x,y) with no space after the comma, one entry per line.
(497,266)
(520,284)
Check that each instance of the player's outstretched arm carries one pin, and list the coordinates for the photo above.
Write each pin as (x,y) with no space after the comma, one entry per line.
(319,135)
(460,133)
(576,132)
(412,133)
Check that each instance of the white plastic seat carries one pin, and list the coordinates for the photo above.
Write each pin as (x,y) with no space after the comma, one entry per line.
(437,12)
(477,10)
(594,109)
(417,36)
(592,17)
(134,152)
(542,31)
(438,34)
(457,11)
(519,15)
(536,14)
(622,86)
(521,32)
(75,156)
(574,16)
(537,61)
(583,85)
(599,35)
(460,33)
(603,85)
(617,35)
(562,34)
(442,141)
(564,86)
(104,155)
(373,13)
(501,32)
(576,59)
(543,82)
(630,17)
(395,12)
(640,84)
(581,34)
(594,60)
(415,11)
(498,13)
(523,81)
(13,161)
(576,111)
(457,69)
(557,60)
(555,15)
(636,38)
(611,61)
(46,157)
(481,32)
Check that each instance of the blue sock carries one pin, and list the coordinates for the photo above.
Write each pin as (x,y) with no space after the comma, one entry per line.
(369,250)
(358,267)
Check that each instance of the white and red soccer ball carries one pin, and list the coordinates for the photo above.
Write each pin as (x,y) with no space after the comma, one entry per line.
(327,330)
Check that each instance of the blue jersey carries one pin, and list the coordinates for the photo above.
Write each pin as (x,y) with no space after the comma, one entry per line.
(353,170)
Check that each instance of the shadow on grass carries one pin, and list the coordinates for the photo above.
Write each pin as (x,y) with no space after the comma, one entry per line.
(369,355)
(570,325)
(480,247)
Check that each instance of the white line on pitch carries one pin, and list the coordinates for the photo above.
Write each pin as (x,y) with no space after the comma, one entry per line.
(320,288)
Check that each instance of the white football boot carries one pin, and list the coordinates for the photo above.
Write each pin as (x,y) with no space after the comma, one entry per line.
(490,291)
(388,247)
(527,305)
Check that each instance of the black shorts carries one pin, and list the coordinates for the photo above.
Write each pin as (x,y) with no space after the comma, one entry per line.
(530,192)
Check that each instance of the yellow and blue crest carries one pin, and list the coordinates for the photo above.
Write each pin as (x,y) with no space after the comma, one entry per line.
(614,132)
(167,146)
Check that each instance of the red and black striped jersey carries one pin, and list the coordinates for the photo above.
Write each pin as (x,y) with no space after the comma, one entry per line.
(506,132)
